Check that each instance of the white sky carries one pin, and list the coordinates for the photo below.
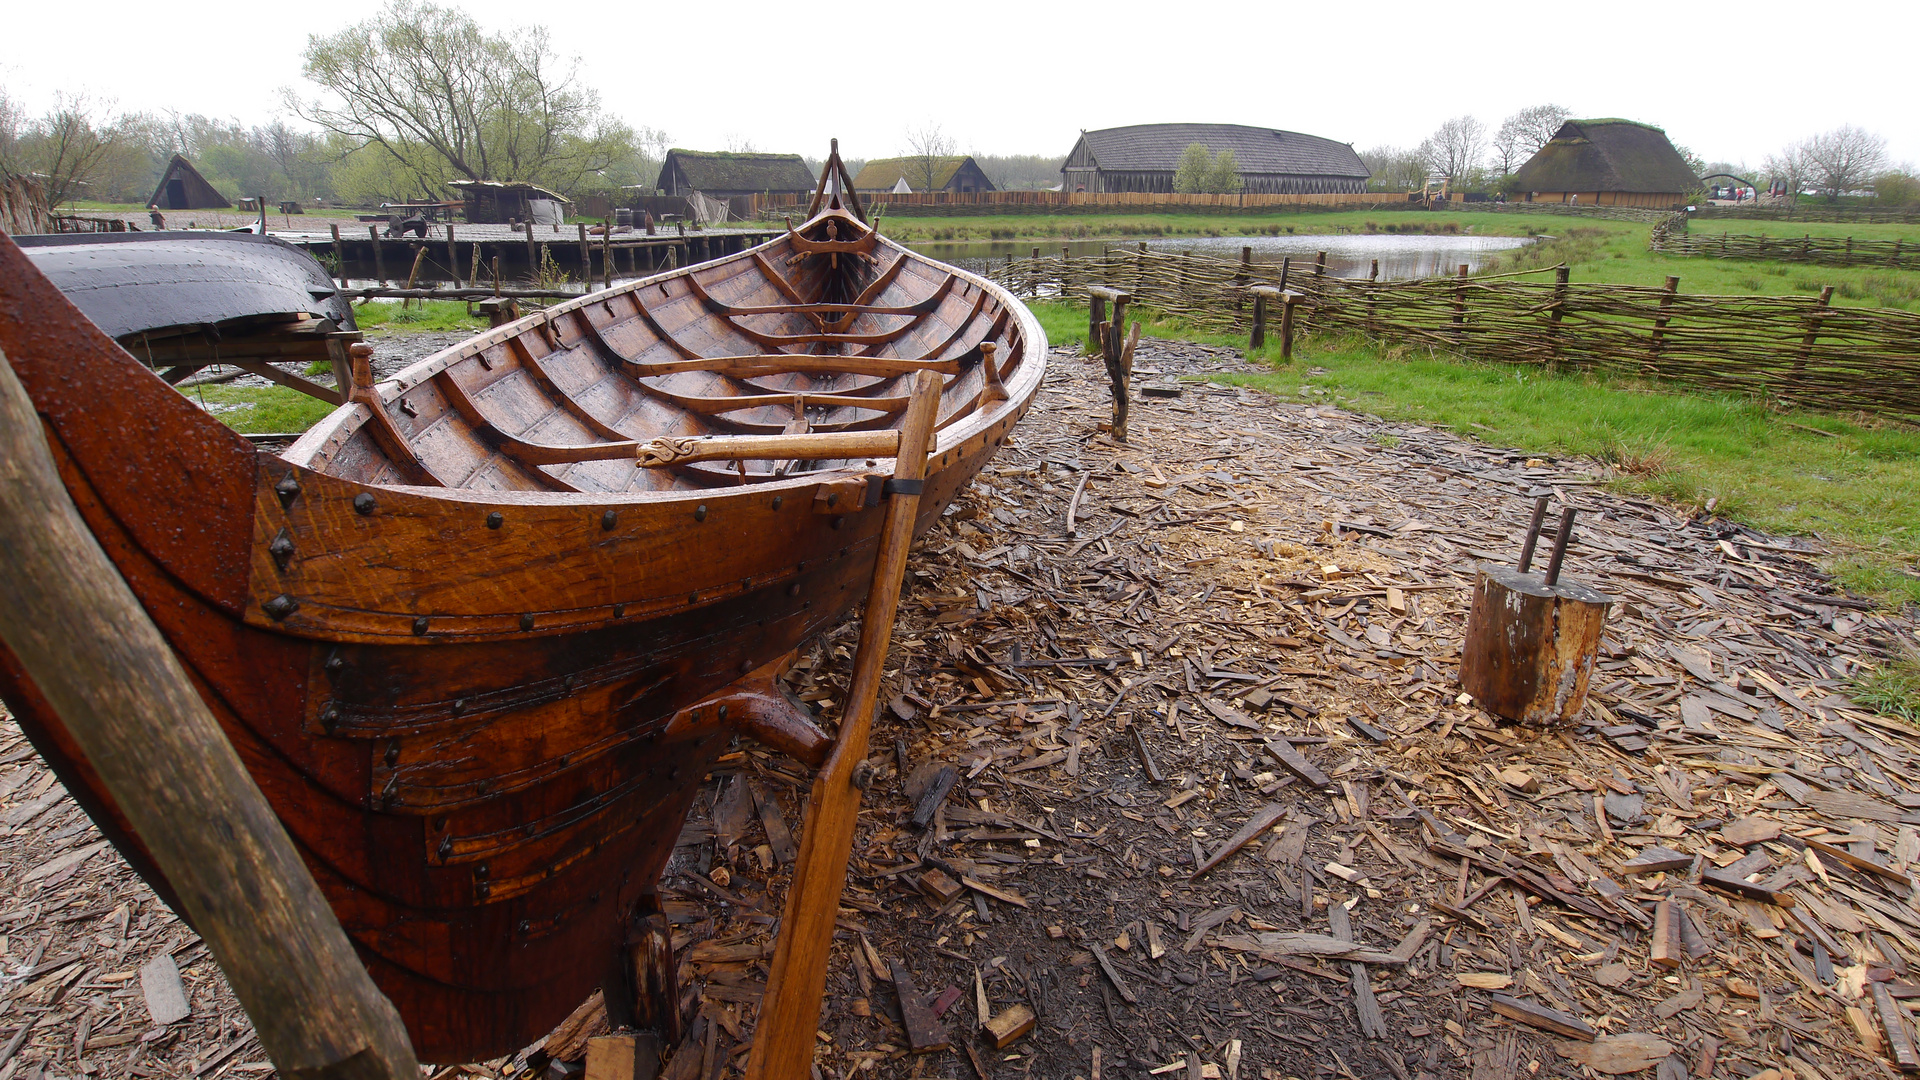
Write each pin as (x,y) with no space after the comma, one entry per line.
(1732,81)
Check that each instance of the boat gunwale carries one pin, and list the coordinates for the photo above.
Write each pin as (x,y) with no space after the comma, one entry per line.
(344,421)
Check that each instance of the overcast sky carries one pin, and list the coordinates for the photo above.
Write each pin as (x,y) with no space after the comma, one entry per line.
(1732,81)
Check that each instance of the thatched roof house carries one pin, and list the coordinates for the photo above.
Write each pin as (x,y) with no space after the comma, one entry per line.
(1143,157)
(182,187)
(723,175)
(1606,163)
(957,173)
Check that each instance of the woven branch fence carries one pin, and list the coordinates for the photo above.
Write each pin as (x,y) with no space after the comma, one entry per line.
(1906,215)
(1671,237)
(1790,349)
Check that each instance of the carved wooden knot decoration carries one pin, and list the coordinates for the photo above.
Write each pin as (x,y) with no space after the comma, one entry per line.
(665,450)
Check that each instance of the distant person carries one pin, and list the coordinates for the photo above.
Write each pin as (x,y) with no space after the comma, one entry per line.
(154,215)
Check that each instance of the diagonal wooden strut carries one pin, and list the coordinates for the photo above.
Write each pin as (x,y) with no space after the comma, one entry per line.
(784,1038)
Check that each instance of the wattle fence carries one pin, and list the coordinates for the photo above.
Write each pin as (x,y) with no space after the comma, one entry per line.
(1672,237)
(1792,349)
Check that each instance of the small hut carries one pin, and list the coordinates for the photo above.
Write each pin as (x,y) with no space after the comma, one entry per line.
(1606,163)
(182,187)
(725,175)
(957,174)
(502,202)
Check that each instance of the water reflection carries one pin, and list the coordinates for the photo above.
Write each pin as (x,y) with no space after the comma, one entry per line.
(1401,256)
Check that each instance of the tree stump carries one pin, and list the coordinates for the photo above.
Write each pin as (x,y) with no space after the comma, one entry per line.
(1530,646)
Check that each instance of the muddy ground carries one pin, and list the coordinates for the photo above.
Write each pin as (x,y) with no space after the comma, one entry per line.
(1243,626)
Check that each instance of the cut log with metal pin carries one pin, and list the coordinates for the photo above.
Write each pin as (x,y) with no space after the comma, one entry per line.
(1533,533)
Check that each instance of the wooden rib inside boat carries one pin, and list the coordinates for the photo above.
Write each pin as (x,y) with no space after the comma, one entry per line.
(480,633)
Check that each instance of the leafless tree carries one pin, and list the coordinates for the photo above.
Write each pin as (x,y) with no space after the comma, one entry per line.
(69,145)
(1456,148)
(1394,168)
(13,122)
(928,144)
(1523,134)
(1845,159)
(1790,167)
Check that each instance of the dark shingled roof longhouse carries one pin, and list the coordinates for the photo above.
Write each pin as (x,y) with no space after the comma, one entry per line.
(724,175)
(1143,157)
(1606,163)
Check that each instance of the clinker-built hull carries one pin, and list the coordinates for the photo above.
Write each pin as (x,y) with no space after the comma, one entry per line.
(479,634)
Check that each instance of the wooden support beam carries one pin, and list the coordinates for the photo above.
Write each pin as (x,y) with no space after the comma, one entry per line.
(69,617)
(784,1038)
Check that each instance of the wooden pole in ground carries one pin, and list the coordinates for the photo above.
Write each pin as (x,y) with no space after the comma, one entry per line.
(1820,309)
(533,255)
(606,252)
(1460,305)
(339,254)
(1287,301)
(379,257)
(790,1015)
(586,259)
(1658,339)
(453,256)
(1263,296)
(82,636)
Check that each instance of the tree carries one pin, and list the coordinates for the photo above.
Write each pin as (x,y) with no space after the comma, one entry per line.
(1196,165)
(1201,172)
(1898,187)
(1845,159)
(928,146)
(445,100)
(1789,168)
(69,146)
(1523,134)
(1455,149)
(1021,172)
(1224,177)
(1394,168)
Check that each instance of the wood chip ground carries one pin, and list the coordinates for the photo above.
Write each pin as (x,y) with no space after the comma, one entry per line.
(1262,604)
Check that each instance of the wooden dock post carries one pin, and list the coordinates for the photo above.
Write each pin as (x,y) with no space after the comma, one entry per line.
(586,259)
(339,255)
(533,255)
(379,256)
(606,252)
(124,698)
(453,256)
(1532,639)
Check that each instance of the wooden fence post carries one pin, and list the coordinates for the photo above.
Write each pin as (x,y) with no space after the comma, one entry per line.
(1658,339)
(123,696)
(1460,304)
(1262,296)
(1558,311)
(1244,275)
(1820,309)
(339,255)
(379,257)
(1287,302)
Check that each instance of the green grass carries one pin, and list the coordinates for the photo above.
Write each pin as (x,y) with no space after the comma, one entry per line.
(1048,227)
(1615,253)
(253,410)
(426,316)
(1893,688)
(1857,487)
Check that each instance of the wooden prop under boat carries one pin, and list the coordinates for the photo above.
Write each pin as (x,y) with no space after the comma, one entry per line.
(481,632)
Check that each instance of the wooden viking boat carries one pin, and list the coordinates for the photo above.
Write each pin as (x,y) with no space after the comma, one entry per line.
(480,633)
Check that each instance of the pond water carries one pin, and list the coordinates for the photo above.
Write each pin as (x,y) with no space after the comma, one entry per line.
(1401,256)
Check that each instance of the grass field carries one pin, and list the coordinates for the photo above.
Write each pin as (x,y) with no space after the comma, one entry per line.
(1616,253)
(1042,228)
(257,410)
(425,316)
(1854,485)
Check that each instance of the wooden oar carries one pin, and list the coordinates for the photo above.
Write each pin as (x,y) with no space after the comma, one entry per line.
(88,646)
(783,1040)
